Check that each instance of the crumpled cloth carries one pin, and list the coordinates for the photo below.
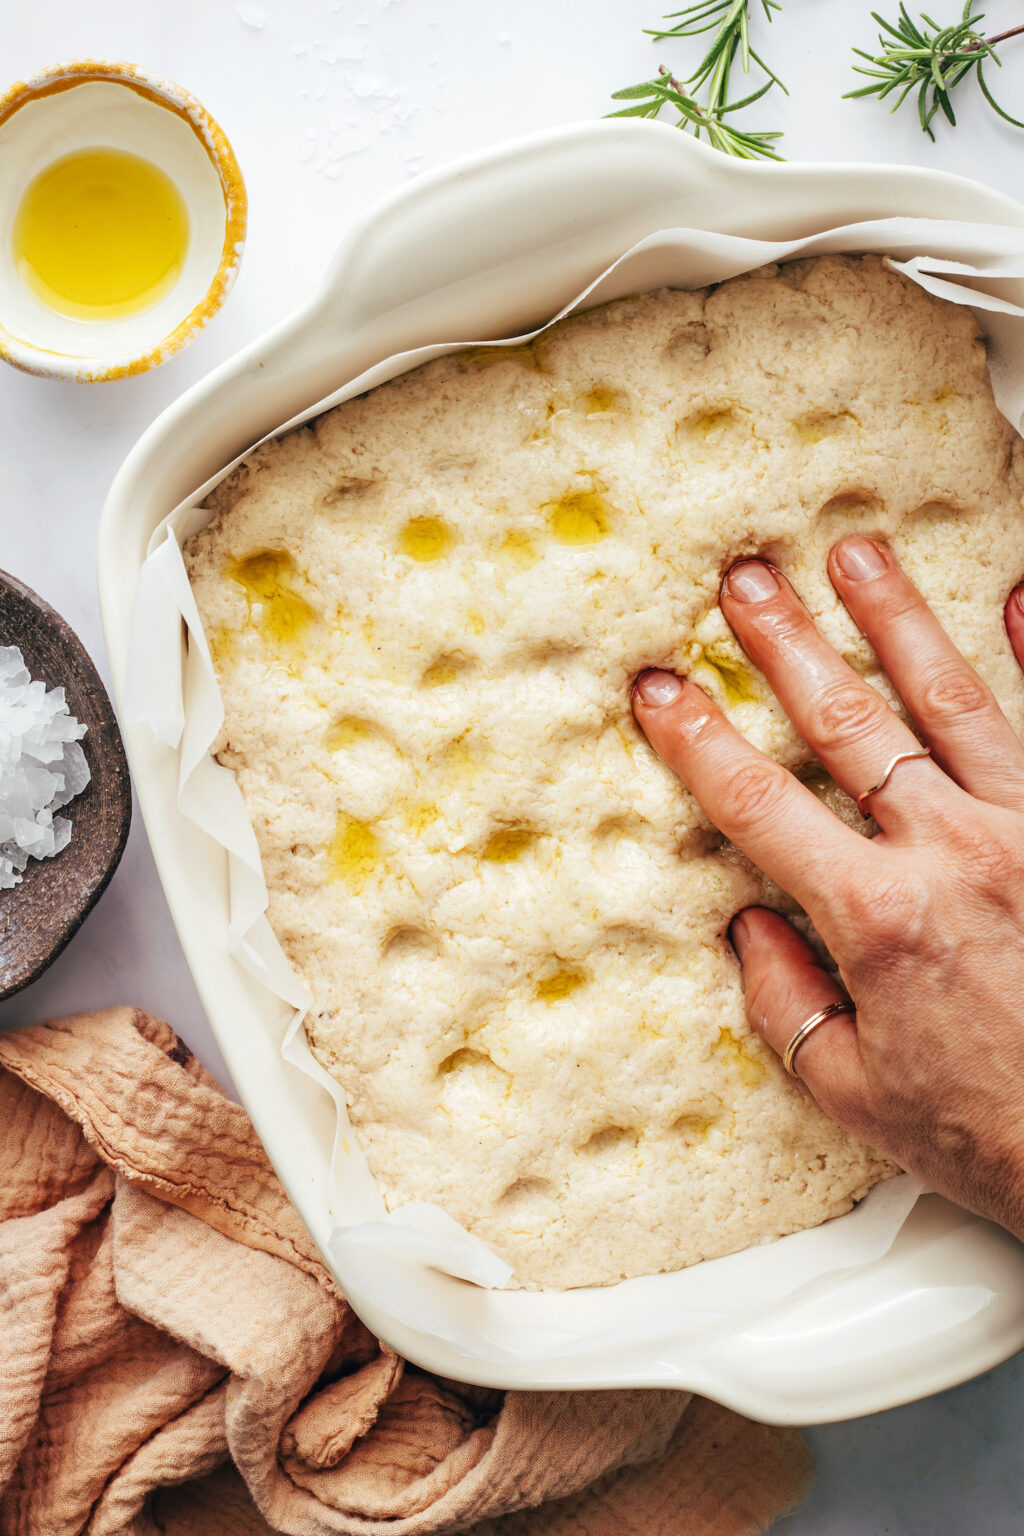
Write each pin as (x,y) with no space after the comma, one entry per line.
(175,1357)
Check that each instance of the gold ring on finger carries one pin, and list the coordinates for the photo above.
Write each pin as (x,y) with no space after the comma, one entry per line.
(901,757)
(807,1028)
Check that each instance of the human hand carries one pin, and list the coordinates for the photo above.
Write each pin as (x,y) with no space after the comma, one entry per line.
(925,921)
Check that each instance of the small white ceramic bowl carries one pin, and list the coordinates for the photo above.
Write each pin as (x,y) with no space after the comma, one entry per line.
(92,104)
(488,247)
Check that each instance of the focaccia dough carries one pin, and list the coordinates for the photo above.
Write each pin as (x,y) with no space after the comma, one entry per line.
(426,611)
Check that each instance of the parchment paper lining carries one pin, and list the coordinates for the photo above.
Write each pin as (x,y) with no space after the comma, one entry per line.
(415,1261)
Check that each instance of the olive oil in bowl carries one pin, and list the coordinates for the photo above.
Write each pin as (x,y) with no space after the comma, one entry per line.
(101,234)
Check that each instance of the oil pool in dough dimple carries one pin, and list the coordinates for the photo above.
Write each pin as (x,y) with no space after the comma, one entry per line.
(280,612)
(579,517)
(425,539)
(346,731)
(559,985)
(710,423)
(444,672)
(735,679)
(598,402)
(694,1129)
(507,845)
(353,853)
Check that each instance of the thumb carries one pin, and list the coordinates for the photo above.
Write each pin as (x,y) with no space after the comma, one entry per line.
(1013,615)
(785,984)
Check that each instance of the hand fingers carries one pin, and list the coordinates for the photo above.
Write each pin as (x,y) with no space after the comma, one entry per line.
(958,716)
(784,985)
(759,806)
(1013,613)
(845,722)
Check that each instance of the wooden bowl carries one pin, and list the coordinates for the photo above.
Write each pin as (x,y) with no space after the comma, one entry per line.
(39,916)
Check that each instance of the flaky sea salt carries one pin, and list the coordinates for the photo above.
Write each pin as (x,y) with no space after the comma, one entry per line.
(42,767)
(253,16)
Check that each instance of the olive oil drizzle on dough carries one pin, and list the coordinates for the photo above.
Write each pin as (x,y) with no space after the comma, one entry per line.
(354,851)
(561,985)
(579,517)
(282,614)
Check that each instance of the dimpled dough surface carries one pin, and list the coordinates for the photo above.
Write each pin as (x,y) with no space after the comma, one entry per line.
(426,611)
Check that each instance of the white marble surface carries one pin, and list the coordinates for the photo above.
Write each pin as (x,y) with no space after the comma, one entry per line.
(329,104)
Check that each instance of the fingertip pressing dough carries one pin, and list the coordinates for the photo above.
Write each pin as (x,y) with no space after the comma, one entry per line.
(426,610)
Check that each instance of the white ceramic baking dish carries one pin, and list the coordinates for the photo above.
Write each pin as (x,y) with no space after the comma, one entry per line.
(488,247)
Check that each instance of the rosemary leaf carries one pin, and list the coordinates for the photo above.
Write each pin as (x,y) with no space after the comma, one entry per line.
(703,99)
(932,60)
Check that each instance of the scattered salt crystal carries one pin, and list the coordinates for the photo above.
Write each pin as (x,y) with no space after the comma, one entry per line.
(401,105)
(362,86)
(503,38)
(299,49)
(345,142)
(355,143)
(253,16)
(42,767)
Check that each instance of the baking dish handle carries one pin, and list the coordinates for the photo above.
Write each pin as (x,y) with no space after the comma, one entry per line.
(613,181)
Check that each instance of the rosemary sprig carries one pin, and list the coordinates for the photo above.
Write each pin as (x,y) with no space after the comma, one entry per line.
(931,62)
(701,101)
